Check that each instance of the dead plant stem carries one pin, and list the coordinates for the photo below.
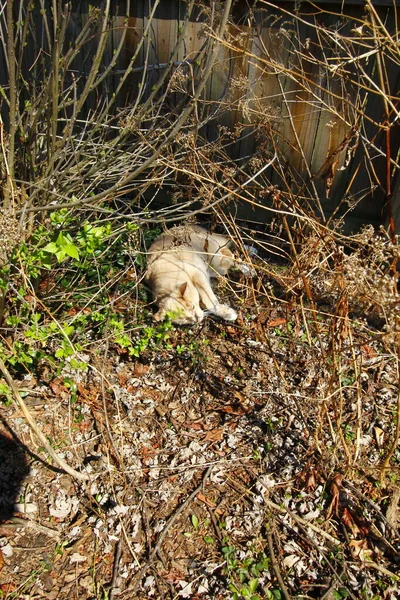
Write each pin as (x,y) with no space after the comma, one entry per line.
(33,425)
(358,389)
(117,558)
(9,187)
(396,438)
(100,371)
(304,278)
(275,565)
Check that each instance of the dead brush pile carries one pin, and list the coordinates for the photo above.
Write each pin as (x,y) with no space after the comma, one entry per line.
(250,460)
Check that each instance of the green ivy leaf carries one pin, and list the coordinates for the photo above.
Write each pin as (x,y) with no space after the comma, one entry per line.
(71,250)
(195,522)
(52,248)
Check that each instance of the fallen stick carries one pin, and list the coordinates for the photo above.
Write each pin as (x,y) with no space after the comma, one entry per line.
(32,424)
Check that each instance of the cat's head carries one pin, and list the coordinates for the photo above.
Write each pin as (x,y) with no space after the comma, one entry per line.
(183,306)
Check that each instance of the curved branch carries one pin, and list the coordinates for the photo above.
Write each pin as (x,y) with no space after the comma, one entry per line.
(33,425)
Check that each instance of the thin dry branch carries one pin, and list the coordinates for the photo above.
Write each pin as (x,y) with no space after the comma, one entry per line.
(33,425)
(275,565)
(166,529)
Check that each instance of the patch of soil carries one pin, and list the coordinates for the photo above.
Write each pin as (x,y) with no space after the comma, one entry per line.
(228,461)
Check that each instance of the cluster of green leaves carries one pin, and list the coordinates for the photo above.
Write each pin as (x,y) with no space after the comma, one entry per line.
(193,349)
(244,574)
(36,334)
(76,260)
(155,337)
(66,237)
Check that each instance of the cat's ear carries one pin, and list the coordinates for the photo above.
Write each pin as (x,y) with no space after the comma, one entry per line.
(183,289)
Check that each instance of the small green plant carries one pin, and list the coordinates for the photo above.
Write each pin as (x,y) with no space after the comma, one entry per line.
(347,380)
(273,594)
(195,522)
(62,247)
(193,350)
(78,413)
(72,387)
(91,238)
(340,593)
(348,432)
(257,454)
(5,394)
(152,336)
(244,574)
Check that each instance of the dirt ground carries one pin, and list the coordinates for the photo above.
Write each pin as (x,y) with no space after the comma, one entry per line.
(224,462)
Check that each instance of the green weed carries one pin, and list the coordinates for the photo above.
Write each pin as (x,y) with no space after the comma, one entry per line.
(244,574)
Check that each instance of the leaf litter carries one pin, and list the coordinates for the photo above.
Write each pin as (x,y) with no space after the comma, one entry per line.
(229,469)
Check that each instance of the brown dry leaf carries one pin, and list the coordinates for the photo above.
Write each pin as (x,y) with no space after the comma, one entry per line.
(276,322)
(2,562)
(74,311)
(361,522)
(263,316)
(84,426)
(214,436)
(368,351)
(359,549)
(335,487)
(349,522)
(90,396)
(122,378)
(7,588)
(392,513)
(173,576)
(239,396)
(355,522)
(311,481)
(207,502)
(379,436)
(140,369)
(236,408)
(231,330)
(57,387)
(148,452)
(120,306)
(130,275)
(195,426)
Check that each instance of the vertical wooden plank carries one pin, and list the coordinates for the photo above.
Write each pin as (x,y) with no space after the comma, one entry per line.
(263,99)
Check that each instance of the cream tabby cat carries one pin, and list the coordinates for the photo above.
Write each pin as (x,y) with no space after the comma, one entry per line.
(179,266)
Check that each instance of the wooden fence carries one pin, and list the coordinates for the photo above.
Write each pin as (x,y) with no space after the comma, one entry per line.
(304,79)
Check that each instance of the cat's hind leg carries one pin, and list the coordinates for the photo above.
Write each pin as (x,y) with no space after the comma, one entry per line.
(210,301)
(225,312)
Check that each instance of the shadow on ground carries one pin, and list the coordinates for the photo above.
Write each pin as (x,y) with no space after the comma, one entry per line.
(13,469)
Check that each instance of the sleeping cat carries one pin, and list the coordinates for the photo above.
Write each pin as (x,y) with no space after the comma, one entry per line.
(179,266)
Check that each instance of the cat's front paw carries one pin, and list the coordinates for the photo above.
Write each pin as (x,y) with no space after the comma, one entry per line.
(225,312)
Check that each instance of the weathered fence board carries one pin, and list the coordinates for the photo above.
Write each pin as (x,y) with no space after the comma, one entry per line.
(310,124)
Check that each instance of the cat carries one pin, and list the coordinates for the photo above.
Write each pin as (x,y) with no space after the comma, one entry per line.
(180,263)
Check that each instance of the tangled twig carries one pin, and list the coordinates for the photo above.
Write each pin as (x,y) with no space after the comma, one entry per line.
(33,425)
